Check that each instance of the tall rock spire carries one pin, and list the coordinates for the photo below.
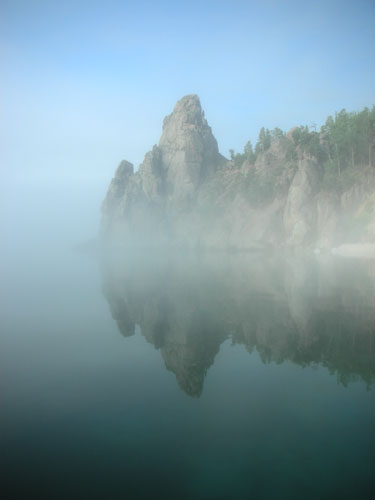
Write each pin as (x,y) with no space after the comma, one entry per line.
(189,149)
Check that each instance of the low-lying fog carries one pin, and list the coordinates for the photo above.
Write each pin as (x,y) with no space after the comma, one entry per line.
(234,368)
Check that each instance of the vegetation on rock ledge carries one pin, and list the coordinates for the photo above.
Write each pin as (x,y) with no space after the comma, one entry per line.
(344,143)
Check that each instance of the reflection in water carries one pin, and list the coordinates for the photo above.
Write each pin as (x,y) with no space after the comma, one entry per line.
(300,310)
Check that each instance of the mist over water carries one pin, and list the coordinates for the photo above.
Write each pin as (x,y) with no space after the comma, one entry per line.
(197,375)
(186,354)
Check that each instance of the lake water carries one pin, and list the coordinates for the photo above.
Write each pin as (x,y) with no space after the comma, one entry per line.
(207,376)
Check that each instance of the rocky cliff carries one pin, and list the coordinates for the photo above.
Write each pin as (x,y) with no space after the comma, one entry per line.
(185,194)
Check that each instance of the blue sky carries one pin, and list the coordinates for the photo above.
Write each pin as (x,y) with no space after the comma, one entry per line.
(87,83)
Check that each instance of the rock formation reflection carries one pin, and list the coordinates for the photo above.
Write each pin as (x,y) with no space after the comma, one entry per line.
(304,311)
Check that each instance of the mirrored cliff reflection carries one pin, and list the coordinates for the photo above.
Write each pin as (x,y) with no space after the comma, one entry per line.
(301,310)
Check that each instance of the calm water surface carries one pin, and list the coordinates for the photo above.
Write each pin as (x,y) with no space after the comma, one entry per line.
(186,377)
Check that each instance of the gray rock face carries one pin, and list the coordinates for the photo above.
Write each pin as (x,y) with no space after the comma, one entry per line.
(189,150)
(117,186)
(185,194)
(140,207)
(115,196)
(300,208)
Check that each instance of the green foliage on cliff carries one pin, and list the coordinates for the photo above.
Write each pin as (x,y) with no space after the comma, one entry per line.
(344,143)
(347,142)
(264,141)
(237,158)
(349,138)
(309,142)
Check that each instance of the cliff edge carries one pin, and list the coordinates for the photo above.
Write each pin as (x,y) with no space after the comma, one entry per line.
(185,194)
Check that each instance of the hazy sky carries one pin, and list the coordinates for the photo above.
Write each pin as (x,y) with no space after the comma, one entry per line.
(87,83)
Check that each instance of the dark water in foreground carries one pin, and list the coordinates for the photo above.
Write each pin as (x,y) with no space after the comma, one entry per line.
(239,377)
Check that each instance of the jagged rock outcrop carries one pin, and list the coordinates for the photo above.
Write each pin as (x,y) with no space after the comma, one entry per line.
(185,194)
(189,150)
